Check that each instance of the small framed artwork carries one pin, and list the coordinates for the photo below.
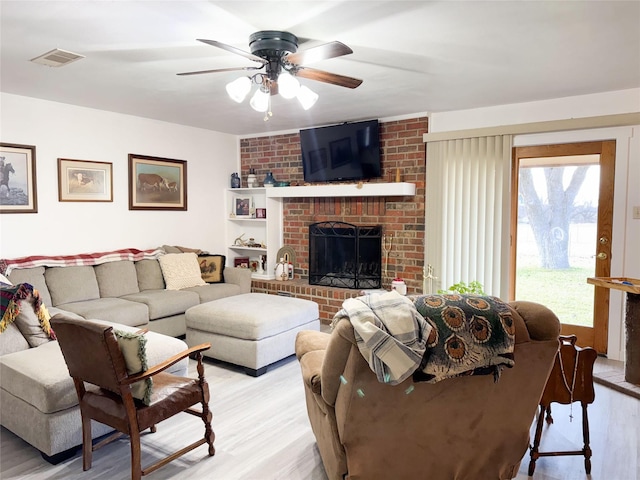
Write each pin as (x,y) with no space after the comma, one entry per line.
(242,206)
(253,264)
(84,181)
(242,262)
(157,183)
(261,213)
(18,193)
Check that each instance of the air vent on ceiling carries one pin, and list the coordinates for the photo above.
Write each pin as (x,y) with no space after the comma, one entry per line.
(57,58)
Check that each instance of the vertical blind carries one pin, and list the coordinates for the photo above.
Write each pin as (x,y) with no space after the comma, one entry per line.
(467,212)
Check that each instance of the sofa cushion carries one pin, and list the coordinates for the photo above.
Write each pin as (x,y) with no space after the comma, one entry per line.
(71,284)
(180,270)
(133,348)
(165,303)
(116,310)
(39,376)
(210,292)
(31,327)
(116,279)
(149,275)
(12,340)
(35,277)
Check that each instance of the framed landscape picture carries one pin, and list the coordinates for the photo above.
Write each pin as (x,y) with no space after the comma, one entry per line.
(18,192)
(84,181)
(157,183)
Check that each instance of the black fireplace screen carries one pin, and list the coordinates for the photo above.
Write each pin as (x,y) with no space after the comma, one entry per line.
(345,255)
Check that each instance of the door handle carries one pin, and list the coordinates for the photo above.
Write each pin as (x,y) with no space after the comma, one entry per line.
(602,256)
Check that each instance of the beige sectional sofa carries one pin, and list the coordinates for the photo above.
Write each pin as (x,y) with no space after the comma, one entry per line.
(38,399)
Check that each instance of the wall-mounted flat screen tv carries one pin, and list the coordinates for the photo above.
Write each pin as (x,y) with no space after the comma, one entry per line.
(349,151)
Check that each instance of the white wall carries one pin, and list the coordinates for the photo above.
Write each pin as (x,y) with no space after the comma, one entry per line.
(65,131)
(625,261)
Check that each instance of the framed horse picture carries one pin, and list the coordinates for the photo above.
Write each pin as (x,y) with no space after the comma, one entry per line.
(18,192)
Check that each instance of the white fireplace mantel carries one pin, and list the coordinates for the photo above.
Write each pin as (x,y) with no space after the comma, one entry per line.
(397,189)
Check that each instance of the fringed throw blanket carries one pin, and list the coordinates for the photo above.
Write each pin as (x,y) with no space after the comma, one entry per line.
(471,335)
(11,297)
(6,265)
(390,333)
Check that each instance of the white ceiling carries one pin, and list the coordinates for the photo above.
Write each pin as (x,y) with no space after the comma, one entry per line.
(414,57)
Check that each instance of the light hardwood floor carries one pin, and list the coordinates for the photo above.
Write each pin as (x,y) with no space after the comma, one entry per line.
(263,433)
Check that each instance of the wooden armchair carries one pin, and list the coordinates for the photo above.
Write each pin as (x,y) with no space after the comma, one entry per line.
(93,356)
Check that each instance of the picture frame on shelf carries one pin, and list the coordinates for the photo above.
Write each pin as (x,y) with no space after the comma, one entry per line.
(18,192)
(242,206)
(261,213)
(241,262)
(157,183)
(84,181)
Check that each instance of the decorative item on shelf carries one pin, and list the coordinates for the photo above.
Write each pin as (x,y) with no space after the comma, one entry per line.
(253,244)
(243,206)
(235,180)
(259,266)
(269,181)
(252,209)
(263,262)
(252,181)
(253,265)
(261,213)
(282,184)
(399,286)
(240,242)
(241,262)
(288,254)
(290,270)
(282,270)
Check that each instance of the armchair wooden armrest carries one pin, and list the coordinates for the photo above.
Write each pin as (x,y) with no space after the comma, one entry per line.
(150,372)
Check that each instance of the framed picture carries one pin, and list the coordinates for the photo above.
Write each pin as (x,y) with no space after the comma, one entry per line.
(261,213)
(84,181)
(241,262)
(242,206)
(157,183)
(18,193)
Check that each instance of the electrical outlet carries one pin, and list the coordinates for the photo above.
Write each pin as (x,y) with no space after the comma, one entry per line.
(636,213)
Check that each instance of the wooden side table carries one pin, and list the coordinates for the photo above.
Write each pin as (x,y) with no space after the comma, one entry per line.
(571,380)
(632,322)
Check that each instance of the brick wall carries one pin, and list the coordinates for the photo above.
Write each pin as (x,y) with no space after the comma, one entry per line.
(402,218)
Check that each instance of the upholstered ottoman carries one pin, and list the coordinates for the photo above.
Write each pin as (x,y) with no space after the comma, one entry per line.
(253,330)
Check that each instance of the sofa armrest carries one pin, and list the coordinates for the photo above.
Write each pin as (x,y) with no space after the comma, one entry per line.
(338,349)
(239,276)
(311,366)
(541,322)
(309,341)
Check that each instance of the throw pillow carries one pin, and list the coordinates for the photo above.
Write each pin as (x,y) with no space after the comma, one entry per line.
(181,270)
(21,305)
(133,348)
(212,268)
(5,280)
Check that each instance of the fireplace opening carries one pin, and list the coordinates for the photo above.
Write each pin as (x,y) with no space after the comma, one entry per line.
(344,255)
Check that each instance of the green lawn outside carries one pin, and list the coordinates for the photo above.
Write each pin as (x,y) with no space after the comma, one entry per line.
(566,292)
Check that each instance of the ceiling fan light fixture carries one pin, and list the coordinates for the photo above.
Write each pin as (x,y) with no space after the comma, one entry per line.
(239,89)
(307,97)
(260,100)
(288,85)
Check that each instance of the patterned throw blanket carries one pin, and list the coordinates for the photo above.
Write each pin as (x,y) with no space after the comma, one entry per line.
(471,335)
(82,259)
(390,333)
(11,297)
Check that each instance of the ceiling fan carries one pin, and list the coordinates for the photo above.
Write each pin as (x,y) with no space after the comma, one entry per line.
(279,59)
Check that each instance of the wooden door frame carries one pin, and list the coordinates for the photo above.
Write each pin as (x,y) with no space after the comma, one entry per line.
(598,335)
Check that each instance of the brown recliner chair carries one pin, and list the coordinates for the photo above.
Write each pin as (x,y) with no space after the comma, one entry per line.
(463,428)
(93,355)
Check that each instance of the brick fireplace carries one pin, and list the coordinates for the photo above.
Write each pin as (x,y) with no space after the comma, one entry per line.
(401,218)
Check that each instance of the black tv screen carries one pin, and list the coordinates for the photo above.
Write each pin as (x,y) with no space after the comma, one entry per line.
(349,151)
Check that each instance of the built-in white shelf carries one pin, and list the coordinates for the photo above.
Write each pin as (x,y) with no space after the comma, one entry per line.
(398,189)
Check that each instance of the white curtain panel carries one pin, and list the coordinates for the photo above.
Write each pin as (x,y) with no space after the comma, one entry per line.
(468,184)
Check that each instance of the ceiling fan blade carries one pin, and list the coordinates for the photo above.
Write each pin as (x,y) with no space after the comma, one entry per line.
(321,52)
(326,77)
(231,49)
(216,70)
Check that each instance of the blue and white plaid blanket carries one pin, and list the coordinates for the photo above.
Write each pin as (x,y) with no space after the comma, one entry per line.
(390,333)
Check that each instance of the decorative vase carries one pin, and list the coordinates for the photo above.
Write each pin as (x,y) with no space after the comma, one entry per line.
(235,180)
(269,181)
(282,270)
(252,181)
